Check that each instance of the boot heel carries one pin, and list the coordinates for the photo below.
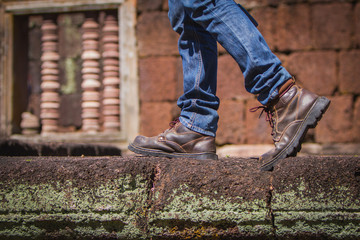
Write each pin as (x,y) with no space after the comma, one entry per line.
(206,156)
(321,105)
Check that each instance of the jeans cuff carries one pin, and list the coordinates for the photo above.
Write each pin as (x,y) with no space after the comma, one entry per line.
(195,128)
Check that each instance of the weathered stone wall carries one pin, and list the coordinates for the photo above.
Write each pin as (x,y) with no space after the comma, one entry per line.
(318,42)
(144,198)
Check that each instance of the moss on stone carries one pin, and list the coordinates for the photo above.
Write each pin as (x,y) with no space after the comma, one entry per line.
(191,215)
(55,208)
(298,210)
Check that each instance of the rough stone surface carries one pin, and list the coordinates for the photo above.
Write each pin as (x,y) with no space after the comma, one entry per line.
(203,201)
(83,198)
(231,128)
(357,25)
(293,32)
(315,71)
(155,117)
(258,130)
(332,25)
(311,194)
(159,198)
(230,80)
(158,78)
(144,5)
(266,18)
(357,119)
(337,123)
(155,35)
(19,148)
(349,73)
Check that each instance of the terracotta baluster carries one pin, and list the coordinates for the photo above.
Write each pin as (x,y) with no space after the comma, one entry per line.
(50,100)
(111,80)
(90,75)
(29,124)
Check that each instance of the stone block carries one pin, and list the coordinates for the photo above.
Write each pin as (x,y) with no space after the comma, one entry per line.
(231,129)
(155,35)
(158,78)
(269,2)
(315,71)
(332,25)
(349,72)
(258,130)
(53,149)
(61,201)
(155,117)
(165,5)
(17,148)
(230,80)
(310,191)
(337,124)
(145,5)
(189,200)
(179,78)
(356,122)
(159,198)
(266,18)
(357,24)
(293,27)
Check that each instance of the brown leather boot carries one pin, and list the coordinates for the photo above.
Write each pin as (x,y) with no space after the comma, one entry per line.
(176,142)
(290,116)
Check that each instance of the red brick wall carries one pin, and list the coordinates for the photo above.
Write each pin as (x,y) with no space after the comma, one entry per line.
(318,42)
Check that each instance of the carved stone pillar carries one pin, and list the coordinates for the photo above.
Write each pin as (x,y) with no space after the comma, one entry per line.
(111,80)
(90,74)
(50,100)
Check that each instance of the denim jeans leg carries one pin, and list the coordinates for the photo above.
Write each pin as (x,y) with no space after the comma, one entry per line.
(198,50)
(233,29)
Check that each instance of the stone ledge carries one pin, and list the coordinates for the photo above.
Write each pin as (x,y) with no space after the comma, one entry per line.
(254,150)
(158,198)
(11,147)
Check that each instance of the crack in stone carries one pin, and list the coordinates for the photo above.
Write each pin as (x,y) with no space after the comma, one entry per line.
(270,213)
(150,189)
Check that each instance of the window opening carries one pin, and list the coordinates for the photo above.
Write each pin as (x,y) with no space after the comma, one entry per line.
(72,74)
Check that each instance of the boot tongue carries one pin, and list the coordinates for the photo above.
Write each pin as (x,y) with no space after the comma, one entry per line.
(172,124)
(177,126)
(286,87)
(180,128)
(286,97)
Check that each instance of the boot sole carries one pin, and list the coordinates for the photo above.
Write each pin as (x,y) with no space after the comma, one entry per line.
(159,153)
(310,121)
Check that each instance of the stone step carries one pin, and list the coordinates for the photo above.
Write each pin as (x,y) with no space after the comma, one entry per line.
(135,197)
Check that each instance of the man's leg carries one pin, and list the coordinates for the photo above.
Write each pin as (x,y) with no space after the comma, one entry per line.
(291,110)
(236,32)
(198,51)
(194,135)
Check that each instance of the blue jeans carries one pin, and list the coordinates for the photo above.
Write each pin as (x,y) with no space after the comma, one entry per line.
(202,23)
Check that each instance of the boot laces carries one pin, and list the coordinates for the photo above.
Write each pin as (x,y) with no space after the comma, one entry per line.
(173,123)
(269,115)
